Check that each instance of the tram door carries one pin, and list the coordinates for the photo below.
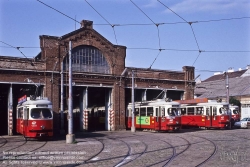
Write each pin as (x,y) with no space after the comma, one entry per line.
(20,122)
(157,119)
(210,116)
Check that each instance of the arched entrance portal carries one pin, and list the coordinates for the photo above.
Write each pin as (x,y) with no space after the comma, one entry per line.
(91,96)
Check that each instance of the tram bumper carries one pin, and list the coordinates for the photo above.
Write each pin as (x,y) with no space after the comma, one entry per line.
(224,124)
(173,126)
(41,133)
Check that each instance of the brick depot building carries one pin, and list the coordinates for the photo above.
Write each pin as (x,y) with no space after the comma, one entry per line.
(100,78)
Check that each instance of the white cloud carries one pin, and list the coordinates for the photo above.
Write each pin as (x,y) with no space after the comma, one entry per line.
(212,6)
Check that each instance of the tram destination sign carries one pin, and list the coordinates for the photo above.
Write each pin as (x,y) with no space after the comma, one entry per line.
(22,99)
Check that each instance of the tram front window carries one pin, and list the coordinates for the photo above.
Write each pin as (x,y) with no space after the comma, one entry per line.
(235,112)
(171,111)
(40,113)
(223,110)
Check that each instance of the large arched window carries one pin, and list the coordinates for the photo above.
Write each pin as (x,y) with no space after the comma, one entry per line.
(88,59)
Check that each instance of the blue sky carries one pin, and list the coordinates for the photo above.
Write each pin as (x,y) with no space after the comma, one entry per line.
(223,43)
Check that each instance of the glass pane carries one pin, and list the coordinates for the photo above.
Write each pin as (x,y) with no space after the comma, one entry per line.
(88,59)
(150,111)
(40,113)
(143,111)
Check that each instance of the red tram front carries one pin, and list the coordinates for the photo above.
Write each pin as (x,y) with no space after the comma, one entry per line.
(34,117)
(235,113)
(157,115)
(208,115)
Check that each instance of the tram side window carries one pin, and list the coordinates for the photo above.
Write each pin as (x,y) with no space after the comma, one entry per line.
(190,111)
(38,113)
(143,112)
(199,111)
(28,113)
(183,111)
(207,111)
(20,113)
(150,111)
(156,112)
(129,112)
(137,113)
(163,112)
(171,111)
(214,111)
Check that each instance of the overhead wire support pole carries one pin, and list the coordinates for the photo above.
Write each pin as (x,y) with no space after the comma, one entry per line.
(227,86)
(133,103)
(70,137)
(62,109)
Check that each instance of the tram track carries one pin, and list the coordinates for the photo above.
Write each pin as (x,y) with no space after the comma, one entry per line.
(30,151)
(95,155)
(213,153)
(125,159)
(167,160)
(5,142)
(7,152)
(18,154)
(174,155)
(124,162)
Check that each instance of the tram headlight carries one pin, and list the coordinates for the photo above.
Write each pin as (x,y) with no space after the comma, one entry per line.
(177,122)
(42,127)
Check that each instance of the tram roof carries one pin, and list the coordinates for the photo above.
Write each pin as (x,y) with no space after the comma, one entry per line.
(212,104)
(37,101)
(157,102)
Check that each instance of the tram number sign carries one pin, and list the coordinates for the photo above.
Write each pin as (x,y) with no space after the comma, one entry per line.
(143,120)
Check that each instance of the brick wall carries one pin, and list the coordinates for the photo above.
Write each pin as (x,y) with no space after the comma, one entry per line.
(47,67)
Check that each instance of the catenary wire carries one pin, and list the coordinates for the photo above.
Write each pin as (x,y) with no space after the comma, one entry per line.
(58,11)
(190,23)
(157,26)
(155,58)
(18,48)
(112,25)
(202,21)
(196,58)
(162,49)
(184,22)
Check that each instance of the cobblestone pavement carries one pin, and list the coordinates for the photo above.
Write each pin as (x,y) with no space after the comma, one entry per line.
(187,148)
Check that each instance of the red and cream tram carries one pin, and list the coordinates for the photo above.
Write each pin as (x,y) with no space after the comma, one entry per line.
(34,117)
(209,115)
(157,115)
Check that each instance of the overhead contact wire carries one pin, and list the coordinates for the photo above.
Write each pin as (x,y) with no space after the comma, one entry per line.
(196,58)
(18,48)
(158,31)
(190,23)
(58,11)
(112,25)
